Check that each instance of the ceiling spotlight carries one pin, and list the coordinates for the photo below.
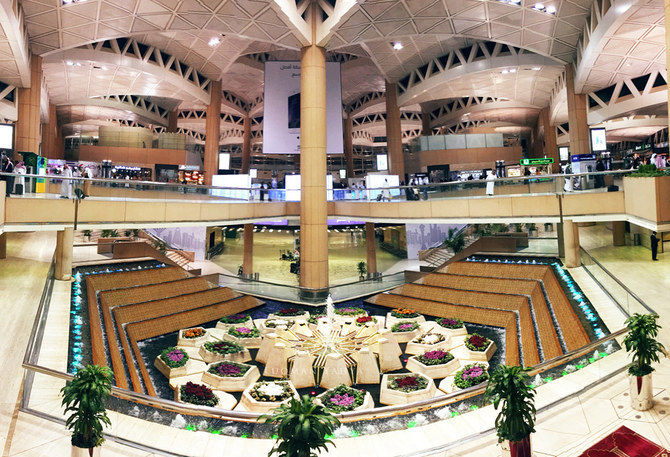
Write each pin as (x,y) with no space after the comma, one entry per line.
(536,68)
(512,70)
(214,41)
(504,72)
(551,9)
(69,63)
(397,45)
(538,7)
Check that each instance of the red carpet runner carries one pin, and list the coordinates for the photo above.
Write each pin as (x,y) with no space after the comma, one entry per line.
(625,443)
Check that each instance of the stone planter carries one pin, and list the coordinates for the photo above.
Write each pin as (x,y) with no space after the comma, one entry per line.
(248,323)
(447,384)
(84,451)
(252,405)
(172,372)
(460,331)
(368,402)
(395,397)
(347,319)
(391,320)
(480,356)
(265,330)
(253,343)
(191,342)
(404,337)
(300,317)
(226,401)
(641,393)
(433,371)
(420,348)
(231,383)
(211,357)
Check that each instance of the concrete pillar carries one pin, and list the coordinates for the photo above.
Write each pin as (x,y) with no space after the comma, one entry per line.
(27,134)
(619,233)
(52,147)
(571,241)
(425,124)
(246,145)
(313,206)
(172,121)
(371,247)
(248,258)
(394,132)
(64,241)
(550,145)
(213,132)
(579,127)
(3,245)
(559,237)
(349,144)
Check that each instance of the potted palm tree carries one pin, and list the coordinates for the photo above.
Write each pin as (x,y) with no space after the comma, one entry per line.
(642,344)
(362,270)
(84,398)
(509,388)
(303,428)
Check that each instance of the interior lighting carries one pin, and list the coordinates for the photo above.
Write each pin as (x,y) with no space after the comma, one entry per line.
(538,7)
(397,45)
(551,9)
(214,41)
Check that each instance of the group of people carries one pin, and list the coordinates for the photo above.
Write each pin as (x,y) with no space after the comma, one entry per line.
(68,185)
(13,186)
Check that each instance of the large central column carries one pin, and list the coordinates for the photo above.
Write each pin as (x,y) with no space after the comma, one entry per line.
(579,126)
(246,145)
(64,242)
(394,132)
(212,132)
(28,110)
(370,247)
(313,204)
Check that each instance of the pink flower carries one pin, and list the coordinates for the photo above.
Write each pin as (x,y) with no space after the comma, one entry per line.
(434,355)
(342,400)
(242,330)
(227,369)
(405,327)
(473,372)
(175,356)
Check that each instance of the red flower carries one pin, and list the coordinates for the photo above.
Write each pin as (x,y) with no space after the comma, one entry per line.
(407,381)
(477,341)
(364,319)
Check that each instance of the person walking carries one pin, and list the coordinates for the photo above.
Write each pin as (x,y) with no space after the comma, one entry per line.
(654,246)
(20,169)
(490,182)
(424,189)
(600,179)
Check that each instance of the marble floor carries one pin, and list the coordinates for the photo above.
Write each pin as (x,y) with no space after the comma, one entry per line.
(563,430)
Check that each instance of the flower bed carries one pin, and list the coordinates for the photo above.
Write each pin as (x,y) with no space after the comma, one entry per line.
(448,323)
(230,376)
(314,318)
(428,342)
(350,311)
(271,391)
(223,350)
(235,318)
(403,313)
(244,332)
(477,343)
(172,362)
(434,364)
(471,375)
(289,312)
(274,323)
(342,398)
(404,327)
(361,321)
(192,337)
(437,357)
(197,394)
(405,388)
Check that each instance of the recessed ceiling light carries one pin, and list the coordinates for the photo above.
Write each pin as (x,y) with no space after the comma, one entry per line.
(512,70)
(538,7)
(504,72)
(536,68)
(214,41)
(551,9)
(397,45)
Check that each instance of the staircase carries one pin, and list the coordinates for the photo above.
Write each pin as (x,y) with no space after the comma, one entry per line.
(178,258)
(438,256)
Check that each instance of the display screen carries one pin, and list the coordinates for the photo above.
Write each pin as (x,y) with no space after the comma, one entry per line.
(564,153)
(294,112)
(343,174)
(6,136)
(382,162)
(224,161)
(253,172)
(598,140)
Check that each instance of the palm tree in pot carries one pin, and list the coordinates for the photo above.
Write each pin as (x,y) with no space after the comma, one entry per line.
(509,388)
(303,427)
(84,398)
(642,344)
(362,270)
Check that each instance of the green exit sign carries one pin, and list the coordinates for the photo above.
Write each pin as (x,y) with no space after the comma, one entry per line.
(540,161)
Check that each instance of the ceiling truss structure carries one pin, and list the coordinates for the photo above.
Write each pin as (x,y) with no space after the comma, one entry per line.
(455,109)
(8,102)
(142,106)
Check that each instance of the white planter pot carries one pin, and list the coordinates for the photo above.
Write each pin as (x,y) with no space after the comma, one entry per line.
(480,356)
(248,323)
(171,372)
(83,452)
(391,319)
(255,406)
(404,337)
(211,357)
(253,343)
(419,348)
(395,397)
(231,383)
(641,394)
(368,402)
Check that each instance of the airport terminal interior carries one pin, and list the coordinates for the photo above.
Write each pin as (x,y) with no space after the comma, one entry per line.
(374,203)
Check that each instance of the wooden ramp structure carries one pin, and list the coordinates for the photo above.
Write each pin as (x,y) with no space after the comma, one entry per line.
(126,308)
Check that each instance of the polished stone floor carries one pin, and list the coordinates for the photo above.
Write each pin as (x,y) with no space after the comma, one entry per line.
(564,430)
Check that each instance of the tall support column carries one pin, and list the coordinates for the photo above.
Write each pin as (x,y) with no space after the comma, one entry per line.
(213,132)
(51,147)
(579,126)
(425,124)
(571,242)
(64,241)
(371,247)
(550,144)
(28,112)
(172,121)
(394,132)
(349,144)
(313,204)
(246,145)
(619,233)
(248,259)
(3,245)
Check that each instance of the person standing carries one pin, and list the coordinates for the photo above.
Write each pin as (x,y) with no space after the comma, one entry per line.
(66,184)
(654,246)
(424,189)
(490,182)
(386,193)
(600,179)
(8,167)
(20,169)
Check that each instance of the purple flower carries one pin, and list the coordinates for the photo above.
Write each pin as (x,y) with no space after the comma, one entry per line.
(434,355)
(405,327)
(227,369)
(473,372)
(342,400)
(175,355)
(242,330)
